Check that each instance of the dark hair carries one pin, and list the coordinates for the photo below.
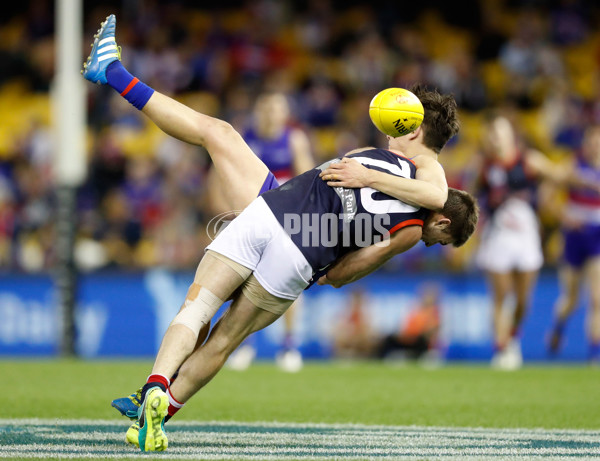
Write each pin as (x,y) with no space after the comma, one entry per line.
(463,212)
(440,122)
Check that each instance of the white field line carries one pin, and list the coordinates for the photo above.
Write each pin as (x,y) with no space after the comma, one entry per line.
(102,439)
(284,425)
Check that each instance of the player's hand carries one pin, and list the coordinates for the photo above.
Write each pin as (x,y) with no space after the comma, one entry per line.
(323,280)
(346,173)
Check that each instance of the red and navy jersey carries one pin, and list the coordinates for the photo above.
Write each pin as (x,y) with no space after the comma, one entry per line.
(499,182)
(326,222)
(275,153)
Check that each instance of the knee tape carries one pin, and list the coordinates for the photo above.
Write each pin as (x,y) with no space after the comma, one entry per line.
(199,311)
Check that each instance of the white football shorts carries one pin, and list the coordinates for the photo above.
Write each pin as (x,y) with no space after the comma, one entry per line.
(511,239)
(256,240)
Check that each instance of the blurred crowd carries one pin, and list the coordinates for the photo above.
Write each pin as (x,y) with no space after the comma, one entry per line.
(145,201)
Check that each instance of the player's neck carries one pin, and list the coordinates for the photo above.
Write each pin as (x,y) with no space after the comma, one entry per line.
(419,149)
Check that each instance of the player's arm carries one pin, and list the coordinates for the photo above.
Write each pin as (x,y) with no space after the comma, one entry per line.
(428,190)
(300,147)
(541,166)
(362,262)
(563,174)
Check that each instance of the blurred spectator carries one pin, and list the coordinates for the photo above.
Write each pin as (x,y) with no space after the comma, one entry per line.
(564,115)
(417,335)
(567,22)
(121,230)
(353,334)
(142,191)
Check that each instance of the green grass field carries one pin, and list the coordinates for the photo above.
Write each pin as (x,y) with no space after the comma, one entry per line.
(331,395)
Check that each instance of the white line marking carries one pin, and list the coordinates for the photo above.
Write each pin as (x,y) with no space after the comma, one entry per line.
(104,439)
(275,424)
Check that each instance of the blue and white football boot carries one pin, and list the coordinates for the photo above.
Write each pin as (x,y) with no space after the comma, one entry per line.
(104,52)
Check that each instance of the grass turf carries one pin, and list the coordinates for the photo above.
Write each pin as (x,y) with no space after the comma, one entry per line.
(329,392)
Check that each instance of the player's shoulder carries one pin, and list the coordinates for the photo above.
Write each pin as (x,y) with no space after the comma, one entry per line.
(359,151)
(426,161)
(407,237)
(377,153)
(413,233)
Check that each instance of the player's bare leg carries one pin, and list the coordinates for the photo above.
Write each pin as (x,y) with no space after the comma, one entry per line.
(501,284)
(214,282)
(241,319)
(507,354)
(567,302)
(216,203)
(235,163)
(524,283)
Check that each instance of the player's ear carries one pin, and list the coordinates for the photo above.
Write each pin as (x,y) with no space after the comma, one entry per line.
(415,134)
(443,222)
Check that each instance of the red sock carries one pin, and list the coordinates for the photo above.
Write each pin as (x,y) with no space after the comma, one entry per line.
(174,404)
(155,381)
(159,379)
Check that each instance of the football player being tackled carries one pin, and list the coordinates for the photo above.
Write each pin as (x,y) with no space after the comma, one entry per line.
(244,263)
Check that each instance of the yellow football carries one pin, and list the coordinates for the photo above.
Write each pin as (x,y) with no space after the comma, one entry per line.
(396,112)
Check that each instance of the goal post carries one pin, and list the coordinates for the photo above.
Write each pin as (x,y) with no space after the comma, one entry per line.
(69,168)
